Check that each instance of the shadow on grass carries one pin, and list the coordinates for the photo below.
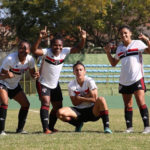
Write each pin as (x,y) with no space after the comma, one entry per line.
(40,132)
(125,133)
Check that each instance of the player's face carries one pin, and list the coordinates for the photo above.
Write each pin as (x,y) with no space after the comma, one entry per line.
(57,47)
(125,35)
(79,72)
(24,50)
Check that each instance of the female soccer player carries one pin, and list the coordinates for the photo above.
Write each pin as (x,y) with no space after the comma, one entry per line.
(132,76)
(12,69)
(84,96)
(48,86)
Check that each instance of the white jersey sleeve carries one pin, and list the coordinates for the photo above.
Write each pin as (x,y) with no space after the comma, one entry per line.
(92,85)
(141,46)
(66,50)
(116,55)
(31,62)
(71,90)
(45,50)
(6,63)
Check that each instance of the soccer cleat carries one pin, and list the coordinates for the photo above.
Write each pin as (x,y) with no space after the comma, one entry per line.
(78,128)
(55,130)
(48,131)
(107,130)
(146,130)
(21,132)
(2,133)
(129,130)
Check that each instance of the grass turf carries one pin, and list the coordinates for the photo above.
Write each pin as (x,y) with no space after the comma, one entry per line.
(91,137)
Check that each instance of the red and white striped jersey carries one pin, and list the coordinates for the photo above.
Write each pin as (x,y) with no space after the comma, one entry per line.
(51,67)
(75,89)
(131,62)
(13,64)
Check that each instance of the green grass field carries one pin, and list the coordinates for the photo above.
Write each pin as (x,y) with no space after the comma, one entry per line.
(91,137)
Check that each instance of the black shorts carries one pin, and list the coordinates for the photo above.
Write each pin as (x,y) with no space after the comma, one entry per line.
(85,114)
(139,85)
(55,94)
(11,92)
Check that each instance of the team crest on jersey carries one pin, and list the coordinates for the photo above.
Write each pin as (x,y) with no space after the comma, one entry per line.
(57,62)
(125,53)
(21,71)
(44,90)
(82,93)
(120,87)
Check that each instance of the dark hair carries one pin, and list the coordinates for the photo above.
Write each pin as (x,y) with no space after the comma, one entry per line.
(124,26)
(23,41)
(58,36)
(78,63)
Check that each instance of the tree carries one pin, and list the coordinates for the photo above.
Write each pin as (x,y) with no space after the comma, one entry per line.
(29,16)
(99,18)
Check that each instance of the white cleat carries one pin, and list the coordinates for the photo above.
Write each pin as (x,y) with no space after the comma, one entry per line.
(146,130)
(2,133)
(129,130)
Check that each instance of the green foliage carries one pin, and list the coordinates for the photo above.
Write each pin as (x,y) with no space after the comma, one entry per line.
(98,17)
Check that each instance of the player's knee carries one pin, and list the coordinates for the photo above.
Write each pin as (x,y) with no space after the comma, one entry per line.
(101,100)
(59,113)
(26,104)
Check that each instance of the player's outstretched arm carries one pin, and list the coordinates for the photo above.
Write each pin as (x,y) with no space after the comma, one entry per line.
(90,97)
(81,44)
(143,37)
(112,60)
(34,48)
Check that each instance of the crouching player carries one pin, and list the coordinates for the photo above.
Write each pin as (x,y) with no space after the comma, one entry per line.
(84,96)
(11,71)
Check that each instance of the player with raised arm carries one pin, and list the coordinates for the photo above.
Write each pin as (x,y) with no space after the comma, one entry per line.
(12,69)
(132,74)
(84,96)
(48,86)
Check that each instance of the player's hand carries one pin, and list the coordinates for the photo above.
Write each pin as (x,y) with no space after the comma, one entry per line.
(142,37)
(83,33)
(107,48)
(87,95)
(9,75)
(43,33)
(36,75)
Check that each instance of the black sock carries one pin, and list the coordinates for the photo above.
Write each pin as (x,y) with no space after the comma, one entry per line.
(128,116)
(3,113)
(105,119)
(22,118)
(44,117)
(74,122)
(52,120)
(144,115)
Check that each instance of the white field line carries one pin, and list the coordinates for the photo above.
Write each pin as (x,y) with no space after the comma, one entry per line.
(34,111)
